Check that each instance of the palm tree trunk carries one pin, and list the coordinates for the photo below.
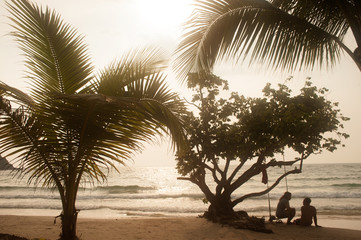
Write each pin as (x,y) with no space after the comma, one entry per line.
(69,219)
(70,214)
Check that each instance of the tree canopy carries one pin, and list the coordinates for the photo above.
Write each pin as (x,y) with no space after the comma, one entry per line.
(239,130)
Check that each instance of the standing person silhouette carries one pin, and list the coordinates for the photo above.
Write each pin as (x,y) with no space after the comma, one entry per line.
(283,208)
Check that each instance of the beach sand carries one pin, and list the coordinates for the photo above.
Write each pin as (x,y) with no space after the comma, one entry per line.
(175,228)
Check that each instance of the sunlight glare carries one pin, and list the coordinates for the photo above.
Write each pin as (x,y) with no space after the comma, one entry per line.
(164,15)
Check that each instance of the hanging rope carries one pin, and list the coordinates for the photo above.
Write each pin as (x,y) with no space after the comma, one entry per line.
(284,168)
(269,205)
(271,218)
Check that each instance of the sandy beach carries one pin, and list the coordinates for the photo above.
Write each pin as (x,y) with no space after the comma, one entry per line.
(175,228)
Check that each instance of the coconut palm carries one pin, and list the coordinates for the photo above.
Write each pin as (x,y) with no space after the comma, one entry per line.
(285,34)
(75,125)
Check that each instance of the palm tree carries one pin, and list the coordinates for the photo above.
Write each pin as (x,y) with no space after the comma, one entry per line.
(73,125)
(286,34)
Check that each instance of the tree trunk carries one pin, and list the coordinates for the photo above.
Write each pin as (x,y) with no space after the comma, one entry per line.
(69,216)
(221,208)
(221,211)
(69,219)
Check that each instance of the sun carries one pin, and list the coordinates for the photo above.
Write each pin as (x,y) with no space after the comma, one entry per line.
(164,14)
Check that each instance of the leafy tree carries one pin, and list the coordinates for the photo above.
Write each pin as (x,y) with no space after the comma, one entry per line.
(240,130)
(285,34)
(75,125)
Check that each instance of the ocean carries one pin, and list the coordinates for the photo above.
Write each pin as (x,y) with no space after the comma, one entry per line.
(335,189)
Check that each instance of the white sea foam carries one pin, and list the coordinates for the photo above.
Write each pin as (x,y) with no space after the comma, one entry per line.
(333,188)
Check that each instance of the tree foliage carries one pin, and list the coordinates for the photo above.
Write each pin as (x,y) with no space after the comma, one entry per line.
(240,130)
(285,34)
(76,124)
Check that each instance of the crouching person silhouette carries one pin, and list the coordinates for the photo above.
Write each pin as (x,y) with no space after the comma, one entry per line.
(283,208)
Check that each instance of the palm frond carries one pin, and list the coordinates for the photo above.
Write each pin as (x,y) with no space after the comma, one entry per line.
(134,65)
(132,117)
(55,55)
(136,82)
(19,96)
(286,36)
(20,136)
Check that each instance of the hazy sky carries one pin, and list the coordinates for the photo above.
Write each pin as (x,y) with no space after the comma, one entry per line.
(111,27)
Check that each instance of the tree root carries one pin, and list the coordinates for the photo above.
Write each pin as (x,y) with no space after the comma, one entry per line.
(240,220)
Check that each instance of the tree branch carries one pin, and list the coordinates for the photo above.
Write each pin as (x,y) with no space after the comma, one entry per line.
(193,104)
(256,168)
(282,163)
(226,167)
(250,172)
(185,178)
(213,171)
(200,182)
(236,170)
(238,200)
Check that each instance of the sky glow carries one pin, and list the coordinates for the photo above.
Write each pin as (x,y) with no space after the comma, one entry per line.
(112,27)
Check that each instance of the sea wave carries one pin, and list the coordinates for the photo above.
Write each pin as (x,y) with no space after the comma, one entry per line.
(347,185)
(189,196)
(146,191)
(171,209)
(144,196)
(303,194)
(19,188)
(25,197)
(116,189)
(106,196)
